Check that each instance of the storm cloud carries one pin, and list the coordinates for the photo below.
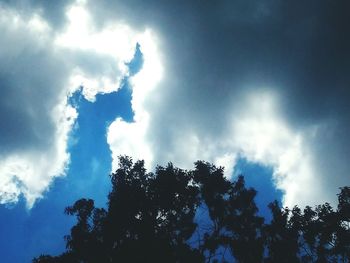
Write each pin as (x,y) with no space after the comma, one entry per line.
(264,80)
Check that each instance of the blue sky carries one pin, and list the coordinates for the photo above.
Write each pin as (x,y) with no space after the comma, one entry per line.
(260,87)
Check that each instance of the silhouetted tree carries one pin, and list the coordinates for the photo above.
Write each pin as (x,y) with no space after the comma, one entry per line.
(281,236)
(233,214)
(156,217)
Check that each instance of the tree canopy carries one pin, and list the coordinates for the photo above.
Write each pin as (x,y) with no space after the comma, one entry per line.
(175,215)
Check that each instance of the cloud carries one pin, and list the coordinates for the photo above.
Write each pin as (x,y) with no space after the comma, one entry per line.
(264,80)
(130,138)
(35,120)
(40,66)
(112,46)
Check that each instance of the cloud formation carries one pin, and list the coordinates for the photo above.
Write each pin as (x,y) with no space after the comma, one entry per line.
(41,64)
(265,80)
(35,120)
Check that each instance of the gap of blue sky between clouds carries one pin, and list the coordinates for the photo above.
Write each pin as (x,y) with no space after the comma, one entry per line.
(29,233)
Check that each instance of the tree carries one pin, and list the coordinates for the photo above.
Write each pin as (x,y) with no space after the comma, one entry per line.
(155,217)
(233,212)
(281,236)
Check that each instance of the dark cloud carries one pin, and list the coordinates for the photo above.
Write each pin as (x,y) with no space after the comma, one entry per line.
(300,49)
(217,51)
(212,46)
(31,80)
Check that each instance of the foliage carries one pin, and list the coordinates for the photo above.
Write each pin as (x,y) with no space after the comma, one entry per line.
(159,217)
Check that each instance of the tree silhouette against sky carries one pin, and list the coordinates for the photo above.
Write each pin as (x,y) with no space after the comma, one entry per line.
(153,217)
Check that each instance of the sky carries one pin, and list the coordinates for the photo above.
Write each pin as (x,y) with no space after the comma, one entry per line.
(259,87)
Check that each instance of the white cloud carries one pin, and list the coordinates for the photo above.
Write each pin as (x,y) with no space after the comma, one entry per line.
(263,136)
(31,172)
(115,40)
(27,167)
(131,138)
(41,67)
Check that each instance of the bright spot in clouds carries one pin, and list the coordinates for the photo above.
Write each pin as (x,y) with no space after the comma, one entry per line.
(262,136)
(116,41)
(131,138)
